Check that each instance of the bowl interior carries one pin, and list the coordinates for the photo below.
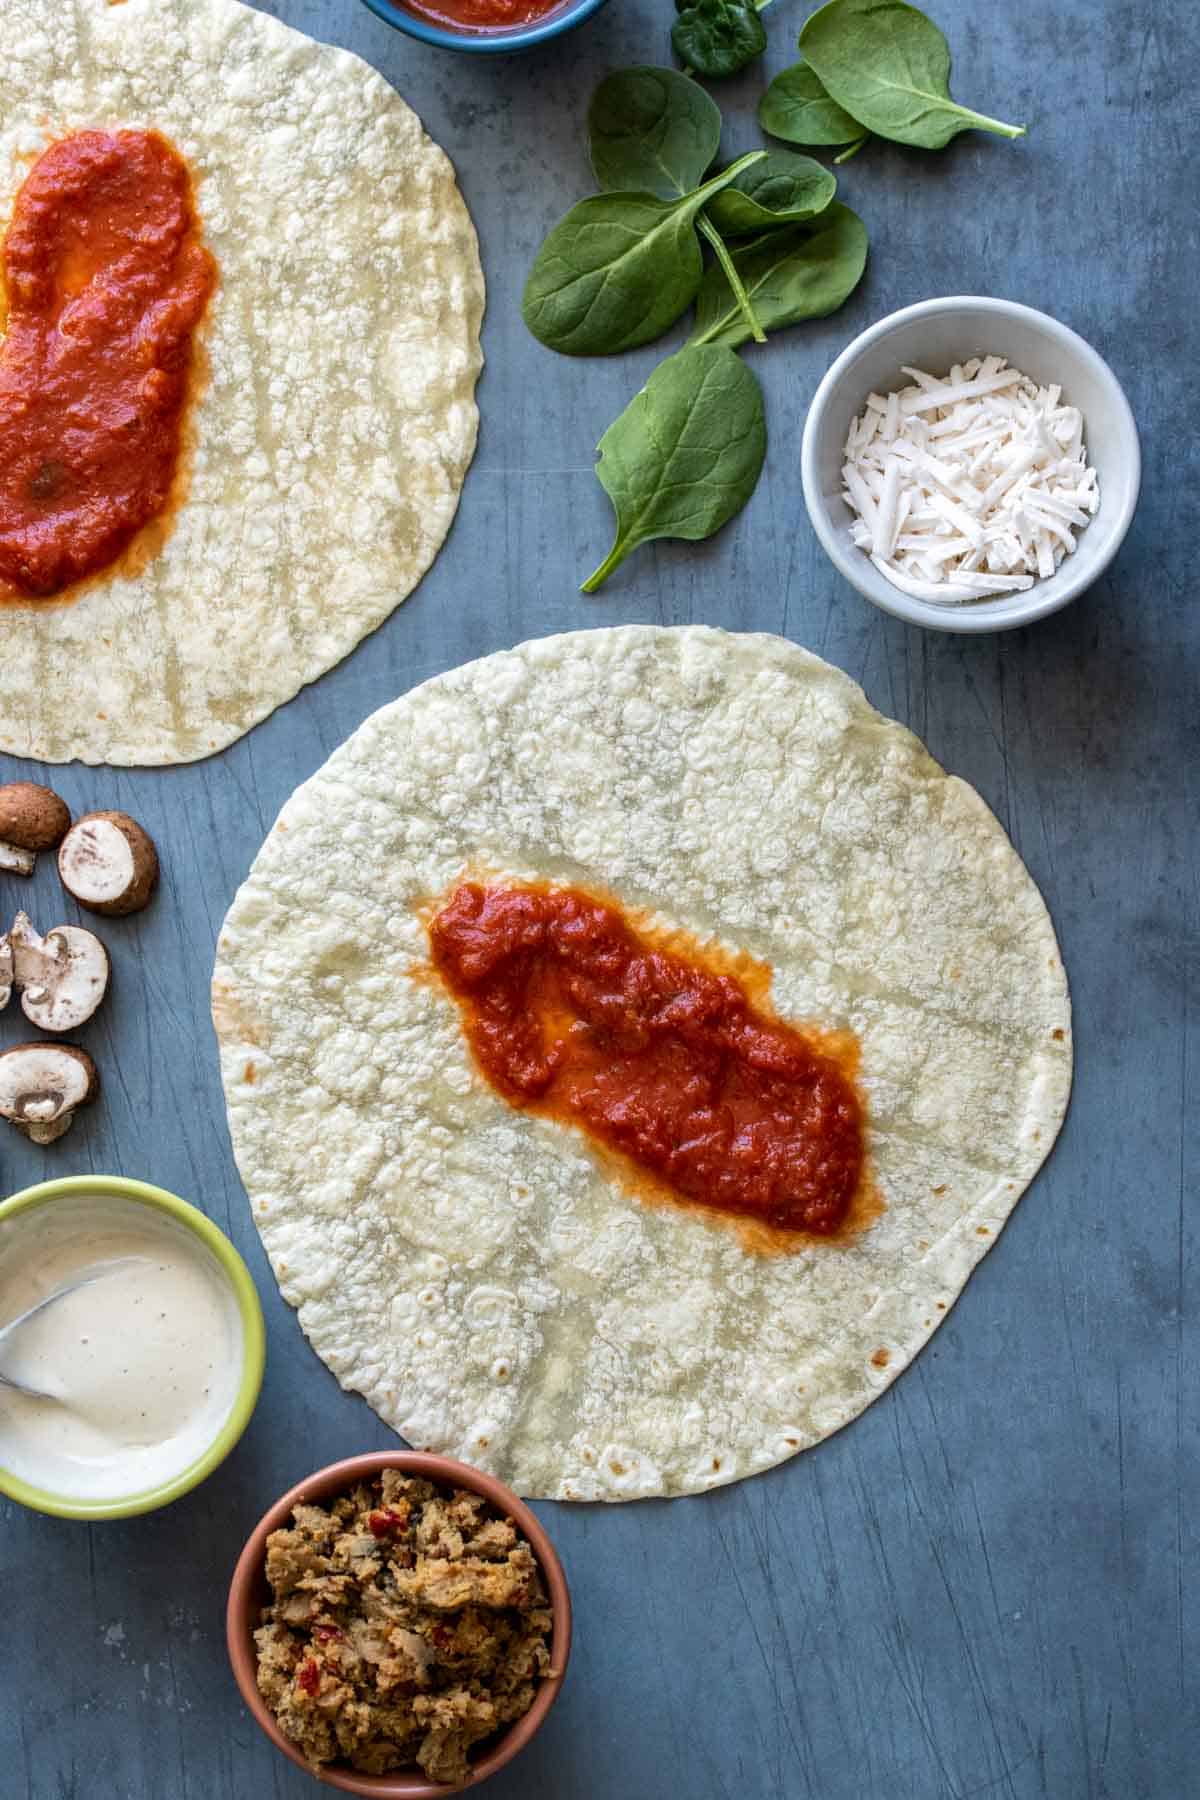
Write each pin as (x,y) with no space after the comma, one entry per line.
(241,1285)
(248,1594)
(933,338)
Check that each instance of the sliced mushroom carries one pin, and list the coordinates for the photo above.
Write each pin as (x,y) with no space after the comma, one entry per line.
(62,977)
(32,818)
(6,971)
(42,1084)
(108,863)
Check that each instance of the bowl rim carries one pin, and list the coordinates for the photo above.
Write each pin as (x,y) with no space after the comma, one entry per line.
(249,1577)
(121,1187)
(1039,601)
(494,43)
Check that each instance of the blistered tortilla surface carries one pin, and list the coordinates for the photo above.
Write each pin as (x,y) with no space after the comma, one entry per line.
(474,1271)
(335,419)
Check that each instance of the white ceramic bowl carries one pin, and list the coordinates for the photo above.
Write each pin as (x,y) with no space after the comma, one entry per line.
(933,335)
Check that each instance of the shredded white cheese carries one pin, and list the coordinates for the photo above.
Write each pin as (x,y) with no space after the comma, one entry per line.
(968,485)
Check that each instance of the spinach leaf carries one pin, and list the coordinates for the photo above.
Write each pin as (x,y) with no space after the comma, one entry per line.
(801,272)
(686,453)
(718,37)
(781,190)
(619,269)
(889,66)
(652,131)
(797,109)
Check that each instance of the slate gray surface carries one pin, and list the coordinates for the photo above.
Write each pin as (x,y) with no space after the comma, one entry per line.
(981,1587)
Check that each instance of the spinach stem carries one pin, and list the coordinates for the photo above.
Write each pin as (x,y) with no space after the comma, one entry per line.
(615,556)
(708,230)
(852,149)
(984,123)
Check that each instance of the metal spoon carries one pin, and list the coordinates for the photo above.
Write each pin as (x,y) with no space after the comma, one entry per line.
(96,1272)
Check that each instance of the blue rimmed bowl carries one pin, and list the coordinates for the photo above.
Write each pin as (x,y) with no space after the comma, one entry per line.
(486,42)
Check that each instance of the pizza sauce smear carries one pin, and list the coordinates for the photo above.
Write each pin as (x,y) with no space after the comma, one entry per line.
(570,1013)
(106,281)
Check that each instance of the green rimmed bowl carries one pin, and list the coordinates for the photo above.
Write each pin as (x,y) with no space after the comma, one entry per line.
(235,1272)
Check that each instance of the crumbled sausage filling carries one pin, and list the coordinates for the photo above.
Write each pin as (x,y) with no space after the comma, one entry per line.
(408,1624)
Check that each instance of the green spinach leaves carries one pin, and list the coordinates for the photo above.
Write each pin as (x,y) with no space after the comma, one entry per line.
(716,38)
(686,453)
(652,131)
(873,65)
(622,267)
(797,109)
(782,189)
(619,269)
(800,273)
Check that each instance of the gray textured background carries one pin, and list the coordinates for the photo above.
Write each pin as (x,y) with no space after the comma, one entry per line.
(981,1586)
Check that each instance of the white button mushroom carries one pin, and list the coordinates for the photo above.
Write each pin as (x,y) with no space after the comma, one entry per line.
(108,863)
(42,1084)
(62,978)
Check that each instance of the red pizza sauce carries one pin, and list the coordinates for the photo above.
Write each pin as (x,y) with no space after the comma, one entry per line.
(106,282)
(571,1013)
(482,15)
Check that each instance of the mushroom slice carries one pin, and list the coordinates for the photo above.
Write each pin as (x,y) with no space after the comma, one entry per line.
(32,818)
(6,971)
(108,863)
(62,977)
(42,1084)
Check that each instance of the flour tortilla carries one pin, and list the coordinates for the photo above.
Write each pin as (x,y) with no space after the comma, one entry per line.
(338,419)
(472,1270)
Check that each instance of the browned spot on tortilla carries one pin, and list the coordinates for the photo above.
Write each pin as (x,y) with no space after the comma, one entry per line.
(1058,1034)
(882,1357)
(250,1074)
(941,1306)
(941,1189)
(982,1231)
(842,1047)
(922,1243)
(1036,1136)
(229,1017)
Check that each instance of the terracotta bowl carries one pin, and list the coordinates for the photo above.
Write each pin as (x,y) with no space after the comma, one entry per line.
(248,1594)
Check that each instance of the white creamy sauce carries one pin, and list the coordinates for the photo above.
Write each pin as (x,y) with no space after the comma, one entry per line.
(144,1364)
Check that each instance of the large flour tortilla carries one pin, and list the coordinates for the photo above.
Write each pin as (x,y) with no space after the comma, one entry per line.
(338,418)
(470,1269)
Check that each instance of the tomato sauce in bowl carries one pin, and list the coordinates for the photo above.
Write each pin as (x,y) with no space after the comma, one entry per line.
(484,15)
(485,25)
